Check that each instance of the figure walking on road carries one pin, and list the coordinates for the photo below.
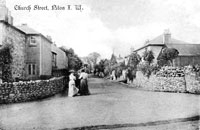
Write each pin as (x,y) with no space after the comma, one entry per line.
(73,90)
(84,90)
(113,75)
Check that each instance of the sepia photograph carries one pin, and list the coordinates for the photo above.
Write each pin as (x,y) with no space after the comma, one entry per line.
(99,64)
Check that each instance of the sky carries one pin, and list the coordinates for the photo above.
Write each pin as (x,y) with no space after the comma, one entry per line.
(107,26)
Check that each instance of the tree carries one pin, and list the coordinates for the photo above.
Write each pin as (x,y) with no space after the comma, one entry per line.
(102,65)
(93,57)
(134,60)
(113,60)
(74,62)
(168,54)
(148,56)
(86,60)
(69,52)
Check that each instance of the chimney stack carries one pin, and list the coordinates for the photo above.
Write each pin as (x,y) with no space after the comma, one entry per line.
(5,14)
(3,11)
(3,3)
(167,37)
(10,18)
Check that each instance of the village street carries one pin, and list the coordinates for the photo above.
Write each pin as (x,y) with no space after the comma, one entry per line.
(110,105)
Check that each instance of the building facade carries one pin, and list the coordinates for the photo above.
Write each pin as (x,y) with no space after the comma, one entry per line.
(9,34)
(33,54)
(59,60)
(189,54)
(38,51)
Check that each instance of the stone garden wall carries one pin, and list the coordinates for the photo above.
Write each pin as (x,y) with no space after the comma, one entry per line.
(189,83)
(156,83)
(30,90)
(193,82)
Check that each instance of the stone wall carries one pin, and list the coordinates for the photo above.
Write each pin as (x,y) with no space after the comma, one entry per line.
(30,90)
(193,83)
(165,84)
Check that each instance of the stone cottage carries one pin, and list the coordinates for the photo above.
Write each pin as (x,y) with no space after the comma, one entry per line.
(12,35)
(33,54)
(189,54)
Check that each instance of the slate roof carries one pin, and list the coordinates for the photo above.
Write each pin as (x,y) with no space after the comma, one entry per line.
(159,41)
(186,49)
(27,29)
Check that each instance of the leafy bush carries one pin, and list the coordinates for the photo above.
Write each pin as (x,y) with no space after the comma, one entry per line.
(148,56)
(134,60)
(167,55)
(148,69)
(145,68)
(5,62)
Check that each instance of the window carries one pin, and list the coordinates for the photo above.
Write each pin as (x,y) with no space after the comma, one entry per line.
(33,41)
(32,69)
(29,69)
(54,63)
(33,66)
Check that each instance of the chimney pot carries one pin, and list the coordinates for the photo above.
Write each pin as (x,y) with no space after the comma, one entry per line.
(3,3)
(167,36)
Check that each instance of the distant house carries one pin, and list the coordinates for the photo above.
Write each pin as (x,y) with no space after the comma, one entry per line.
(34,54)
(120,59)
(189,54)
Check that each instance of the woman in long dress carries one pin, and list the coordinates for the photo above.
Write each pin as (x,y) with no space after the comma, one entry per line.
(72,87)
(84,90)
(113,75)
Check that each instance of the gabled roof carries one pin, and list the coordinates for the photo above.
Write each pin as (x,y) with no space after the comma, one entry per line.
(186,49)
(17,29)
(159,41)
(27,29)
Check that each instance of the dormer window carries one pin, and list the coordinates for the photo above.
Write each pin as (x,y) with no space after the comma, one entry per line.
(33,41)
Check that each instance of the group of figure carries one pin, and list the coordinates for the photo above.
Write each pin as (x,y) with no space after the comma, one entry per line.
(127,74)
(78,83)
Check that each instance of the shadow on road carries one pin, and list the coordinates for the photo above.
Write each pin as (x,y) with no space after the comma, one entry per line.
(155,123)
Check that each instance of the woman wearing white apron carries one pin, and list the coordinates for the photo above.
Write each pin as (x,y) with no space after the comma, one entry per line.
(72,88)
